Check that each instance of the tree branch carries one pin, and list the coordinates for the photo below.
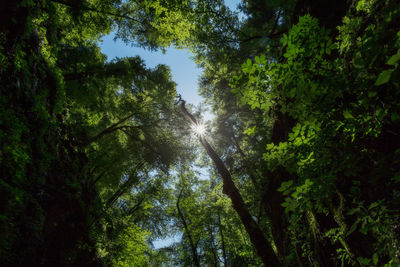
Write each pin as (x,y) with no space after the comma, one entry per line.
(124,16)
(111,129)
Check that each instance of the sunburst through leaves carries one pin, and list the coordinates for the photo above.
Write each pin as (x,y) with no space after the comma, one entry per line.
(199,129)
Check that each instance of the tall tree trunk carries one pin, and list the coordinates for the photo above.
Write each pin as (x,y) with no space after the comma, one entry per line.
(257,237)
(273,199)
(272,203)
(192,245)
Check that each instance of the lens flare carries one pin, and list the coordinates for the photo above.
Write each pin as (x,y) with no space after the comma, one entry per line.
(199,129)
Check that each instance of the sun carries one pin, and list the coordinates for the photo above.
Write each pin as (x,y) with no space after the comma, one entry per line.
(199,129)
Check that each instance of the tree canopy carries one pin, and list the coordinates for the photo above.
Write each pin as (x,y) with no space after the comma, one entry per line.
(99,159)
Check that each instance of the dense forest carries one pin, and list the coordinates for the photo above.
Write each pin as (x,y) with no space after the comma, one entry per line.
(99,157)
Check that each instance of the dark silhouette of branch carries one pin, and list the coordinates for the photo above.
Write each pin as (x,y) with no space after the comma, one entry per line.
(111,129)
(123,188)
(88,8)
(120,191)
(99,177)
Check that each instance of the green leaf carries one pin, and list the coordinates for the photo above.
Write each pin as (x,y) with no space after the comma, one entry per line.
(372,94)
(285,186)
(389,264)
(384,77)
(393,60)
(270,146)
(284,39)
(248,62)
(347,115)
(364,261)
(375,258)
(373,205)
(250,131)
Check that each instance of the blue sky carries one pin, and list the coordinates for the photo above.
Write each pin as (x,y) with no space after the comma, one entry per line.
(184,72)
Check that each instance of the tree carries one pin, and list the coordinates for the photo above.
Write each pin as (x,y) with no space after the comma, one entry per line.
(68,138)
(96,162)
(257,237)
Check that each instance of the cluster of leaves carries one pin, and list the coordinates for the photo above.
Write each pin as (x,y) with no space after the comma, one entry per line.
(336,88)
(308,127)
(211,231)
(86,143)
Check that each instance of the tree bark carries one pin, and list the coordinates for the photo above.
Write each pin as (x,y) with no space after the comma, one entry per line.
(272,198)
(257,237)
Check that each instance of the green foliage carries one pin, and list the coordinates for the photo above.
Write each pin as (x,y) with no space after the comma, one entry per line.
(212,224)
(63,148)
(307,122)
(131,247)
(334,105)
